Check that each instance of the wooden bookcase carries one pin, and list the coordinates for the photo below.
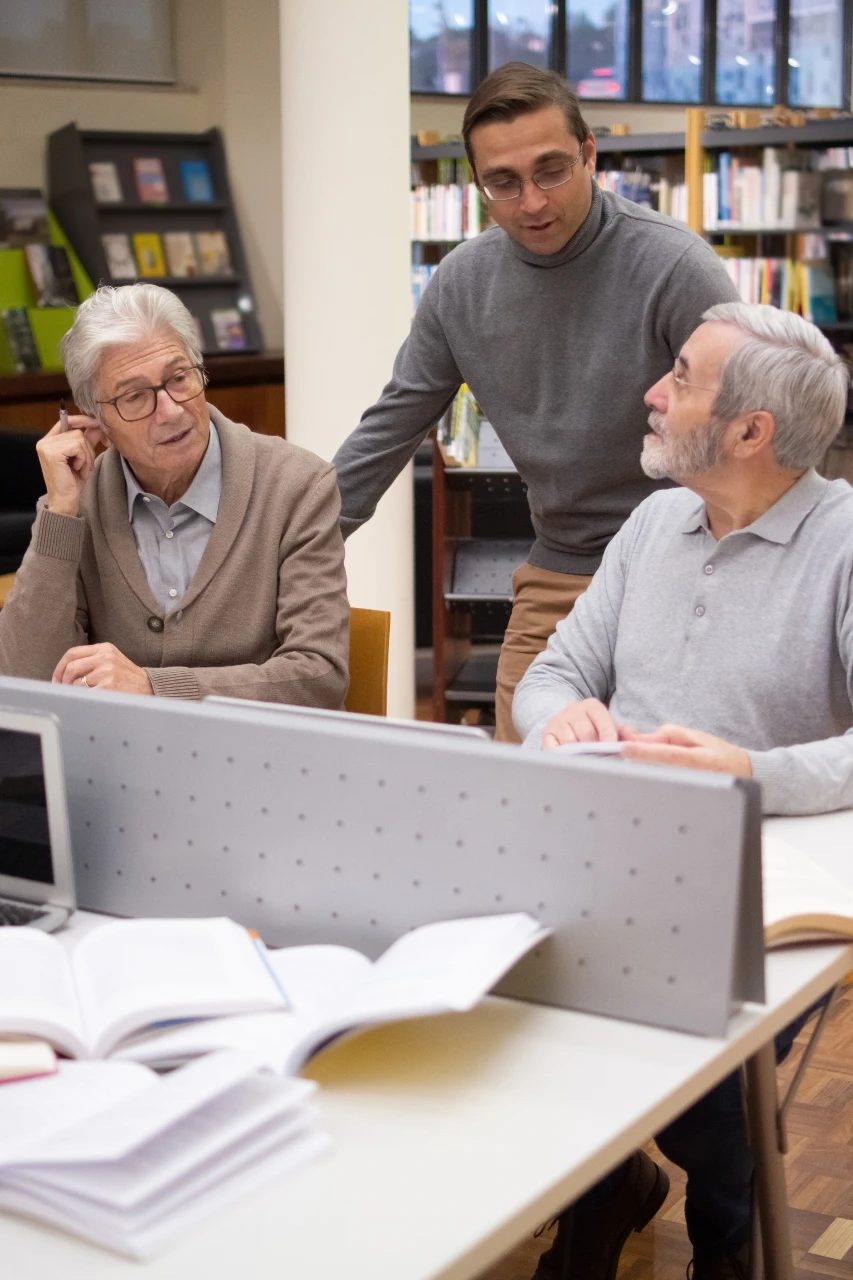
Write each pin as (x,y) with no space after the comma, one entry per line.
(84,220)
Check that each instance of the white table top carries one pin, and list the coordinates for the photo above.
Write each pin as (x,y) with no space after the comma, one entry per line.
(455,1137)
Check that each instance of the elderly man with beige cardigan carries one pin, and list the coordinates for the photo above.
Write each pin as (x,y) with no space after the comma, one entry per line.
(192,557)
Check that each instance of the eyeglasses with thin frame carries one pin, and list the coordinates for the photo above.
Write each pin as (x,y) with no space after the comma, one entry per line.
(682,382)
(141,402)
(555,174)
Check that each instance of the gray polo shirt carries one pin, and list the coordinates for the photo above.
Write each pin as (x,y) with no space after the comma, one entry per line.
(749,638)
(171,540)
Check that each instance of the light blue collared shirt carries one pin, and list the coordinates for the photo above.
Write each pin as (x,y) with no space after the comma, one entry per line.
(171,540)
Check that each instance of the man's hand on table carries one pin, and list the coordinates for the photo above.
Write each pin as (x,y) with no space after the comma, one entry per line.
(688,748)
(101,666)
(67,459)
(591,721)
(587,721)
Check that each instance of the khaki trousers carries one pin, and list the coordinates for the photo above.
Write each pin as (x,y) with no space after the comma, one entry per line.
(540,598)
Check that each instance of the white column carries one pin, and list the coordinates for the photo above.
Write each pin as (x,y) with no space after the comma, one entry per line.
(345,147)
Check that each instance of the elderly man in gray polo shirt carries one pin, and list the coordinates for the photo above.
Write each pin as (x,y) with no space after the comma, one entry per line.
(717,634)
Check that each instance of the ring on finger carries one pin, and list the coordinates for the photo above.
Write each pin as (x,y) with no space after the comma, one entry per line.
(85,683)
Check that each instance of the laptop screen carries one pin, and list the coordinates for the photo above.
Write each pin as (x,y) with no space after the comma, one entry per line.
(25,850)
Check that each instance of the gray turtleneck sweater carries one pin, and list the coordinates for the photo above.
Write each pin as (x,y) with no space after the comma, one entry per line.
(558,351)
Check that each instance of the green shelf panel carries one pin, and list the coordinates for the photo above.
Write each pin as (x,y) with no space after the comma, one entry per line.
(49,325)
(16,289)
(81,279)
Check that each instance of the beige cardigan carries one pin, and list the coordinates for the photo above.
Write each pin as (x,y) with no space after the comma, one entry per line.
(265,615)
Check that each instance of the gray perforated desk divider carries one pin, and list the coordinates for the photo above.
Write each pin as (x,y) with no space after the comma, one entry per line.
(351,833)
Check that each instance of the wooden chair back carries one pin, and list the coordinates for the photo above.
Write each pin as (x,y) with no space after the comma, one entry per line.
(369,635)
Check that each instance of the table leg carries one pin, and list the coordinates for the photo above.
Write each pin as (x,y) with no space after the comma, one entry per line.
(771,1193)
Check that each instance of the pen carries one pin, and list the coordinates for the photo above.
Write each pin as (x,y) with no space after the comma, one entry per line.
(63,416)
(262,952)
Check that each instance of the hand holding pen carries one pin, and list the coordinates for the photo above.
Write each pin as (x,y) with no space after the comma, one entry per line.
(67,457)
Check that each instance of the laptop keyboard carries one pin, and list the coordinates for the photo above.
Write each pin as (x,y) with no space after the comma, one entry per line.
(14,913)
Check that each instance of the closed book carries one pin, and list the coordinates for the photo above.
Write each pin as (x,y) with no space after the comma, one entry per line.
(50,271)
(19,335)
(228,328)
(149,254)
(196,181)
(106,184)
(121,263)
(214,258)
(180,253)
(150,180)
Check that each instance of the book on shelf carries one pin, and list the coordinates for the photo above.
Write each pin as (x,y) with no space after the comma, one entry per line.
(422,273)
(121,263)
(50,272)
(151,185)
(655,191)
(148,248)
(213,256)
(779,193)
(110,992)
(816,290)
(447,213)
(196,181)
(106,183)
(438,968)
(467,439)
(180,253)
(802,901)
(19,335)
(23,218)
(129,1160)
(228,329)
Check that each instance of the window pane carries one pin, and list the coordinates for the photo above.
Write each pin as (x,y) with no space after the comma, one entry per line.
(87,39)
(440,45)
(746,59)
(672,50)
(815,54)
(597,38)
(519,31)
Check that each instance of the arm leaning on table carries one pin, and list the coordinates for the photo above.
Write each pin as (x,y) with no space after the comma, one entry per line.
(578,663)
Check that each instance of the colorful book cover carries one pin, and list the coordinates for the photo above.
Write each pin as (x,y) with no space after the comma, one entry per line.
(106,184)
(213,253)
(23,218)
(180,253)
(121,263)
(150,180)
(228,327)
(149,254)
(196,181)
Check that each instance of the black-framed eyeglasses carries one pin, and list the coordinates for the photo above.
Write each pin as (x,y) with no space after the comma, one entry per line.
(141,402)
(553,174)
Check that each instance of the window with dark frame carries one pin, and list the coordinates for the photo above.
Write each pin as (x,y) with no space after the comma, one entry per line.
(750,53)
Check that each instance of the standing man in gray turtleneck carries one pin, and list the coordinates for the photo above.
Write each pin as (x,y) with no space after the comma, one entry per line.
(558,318)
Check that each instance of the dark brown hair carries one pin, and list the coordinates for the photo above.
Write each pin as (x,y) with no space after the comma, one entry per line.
(515,90)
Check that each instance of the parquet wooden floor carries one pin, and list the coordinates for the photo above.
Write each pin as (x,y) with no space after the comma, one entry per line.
(819,1171)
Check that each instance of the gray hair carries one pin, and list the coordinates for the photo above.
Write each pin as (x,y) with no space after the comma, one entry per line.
(788,368)
(112,317)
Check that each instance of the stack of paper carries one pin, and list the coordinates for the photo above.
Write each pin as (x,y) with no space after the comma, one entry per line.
(115,1154)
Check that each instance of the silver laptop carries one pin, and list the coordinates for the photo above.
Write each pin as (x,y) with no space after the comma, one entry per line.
(36,875)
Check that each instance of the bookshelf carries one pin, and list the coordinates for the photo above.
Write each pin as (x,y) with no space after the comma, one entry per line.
(481,532)
(85,220)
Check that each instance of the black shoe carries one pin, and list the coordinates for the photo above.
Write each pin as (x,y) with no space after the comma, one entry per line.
(733,1266)
(589,1241)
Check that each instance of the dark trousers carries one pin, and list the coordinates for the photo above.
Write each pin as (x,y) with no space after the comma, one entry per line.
(709,1143)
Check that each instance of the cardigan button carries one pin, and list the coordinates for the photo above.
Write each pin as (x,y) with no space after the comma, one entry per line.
(155,624)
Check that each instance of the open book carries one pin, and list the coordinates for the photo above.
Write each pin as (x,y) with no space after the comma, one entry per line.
(120,1156)
(438,968)
(86,997)
(802,901)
